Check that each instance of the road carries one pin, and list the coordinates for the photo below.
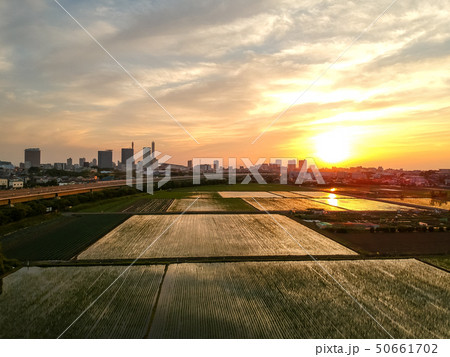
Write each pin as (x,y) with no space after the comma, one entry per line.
(36,193)
(30,194)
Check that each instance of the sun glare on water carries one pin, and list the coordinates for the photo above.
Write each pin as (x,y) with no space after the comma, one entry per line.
(333,146)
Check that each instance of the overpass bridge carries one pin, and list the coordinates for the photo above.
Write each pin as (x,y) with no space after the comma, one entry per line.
(9,197)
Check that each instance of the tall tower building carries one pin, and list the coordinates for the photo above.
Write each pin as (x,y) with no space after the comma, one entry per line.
(301,163)
(33,156)
(105,159)
(292,165)
(146,152)
(153,146)
(126,154)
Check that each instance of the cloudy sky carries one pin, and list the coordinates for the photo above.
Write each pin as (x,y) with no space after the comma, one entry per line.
(226,70)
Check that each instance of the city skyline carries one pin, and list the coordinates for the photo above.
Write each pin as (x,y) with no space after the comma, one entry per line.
(384,102)
(126,152)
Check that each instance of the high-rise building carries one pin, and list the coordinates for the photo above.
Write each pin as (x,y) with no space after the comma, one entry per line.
(301,163)
(189,164)
(33,156)
(82,160)
(94,162)
(105,160)
(154,161)
(69,163)
(216,165)
(146,152)
(292,165)
(59,165)
(126,154)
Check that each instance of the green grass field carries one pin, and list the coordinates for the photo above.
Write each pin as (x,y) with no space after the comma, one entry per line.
(26,222)
(439,261)
(116,204)
(60,238)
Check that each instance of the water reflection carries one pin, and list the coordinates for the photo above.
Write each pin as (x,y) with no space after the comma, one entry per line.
(332,200)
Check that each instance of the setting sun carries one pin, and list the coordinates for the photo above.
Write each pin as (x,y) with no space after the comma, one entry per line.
(333,146)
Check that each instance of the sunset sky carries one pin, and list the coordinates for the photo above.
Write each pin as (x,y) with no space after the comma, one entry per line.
(225,70)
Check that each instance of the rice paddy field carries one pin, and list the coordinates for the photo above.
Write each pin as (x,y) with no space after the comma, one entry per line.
(250,279)
(356,204)
(201,204)
(206,235)
(426,202)
(408,298)
(286,194)
(288,204)
(244,194)
(52,298)
(298,300)
(201,195)
(320,194)
(146,205)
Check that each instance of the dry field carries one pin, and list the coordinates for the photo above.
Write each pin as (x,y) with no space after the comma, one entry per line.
(286,194)
(243,194)
(298,300)
(205,235)
(43,302)
(179,205)
(356,204)
(288,204)
(201,195)
(426,202)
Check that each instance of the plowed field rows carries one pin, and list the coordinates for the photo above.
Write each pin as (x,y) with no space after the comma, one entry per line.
(288,204)
(149,205)
(299,300)
(43,302)
(210,235)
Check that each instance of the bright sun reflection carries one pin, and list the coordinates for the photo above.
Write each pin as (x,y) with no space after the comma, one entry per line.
(333,202)
(333,146)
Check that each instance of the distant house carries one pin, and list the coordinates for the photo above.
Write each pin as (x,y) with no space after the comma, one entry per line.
(3,182)
(6,165)
(359,176)
(16,183)
(417,180)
